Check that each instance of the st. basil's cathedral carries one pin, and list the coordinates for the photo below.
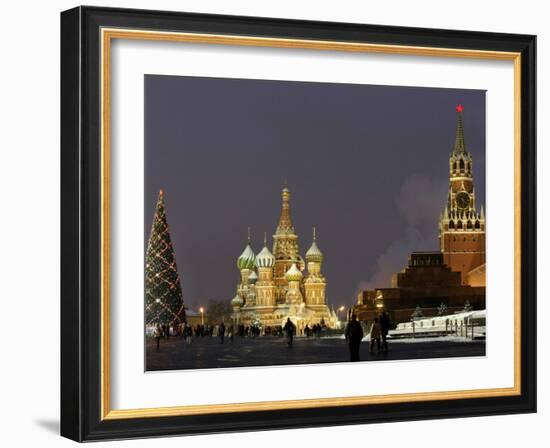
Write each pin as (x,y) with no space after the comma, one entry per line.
(280,284)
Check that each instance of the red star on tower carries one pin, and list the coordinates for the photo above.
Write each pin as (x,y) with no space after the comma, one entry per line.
(459,108)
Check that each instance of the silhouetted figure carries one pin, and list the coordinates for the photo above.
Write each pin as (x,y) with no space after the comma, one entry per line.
(158,334)
(375,332)
(230,332)
(188,334)
(222,332)
(354,335)
(289,331)
(385,328)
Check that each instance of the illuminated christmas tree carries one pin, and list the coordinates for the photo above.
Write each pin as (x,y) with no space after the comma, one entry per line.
(163,297)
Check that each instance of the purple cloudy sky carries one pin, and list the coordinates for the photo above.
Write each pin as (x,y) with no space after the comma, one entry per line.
(367,165)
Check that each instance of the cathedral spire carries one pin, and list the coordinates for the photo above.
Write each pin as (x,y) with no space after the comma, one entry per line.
(460,146)
(285,222)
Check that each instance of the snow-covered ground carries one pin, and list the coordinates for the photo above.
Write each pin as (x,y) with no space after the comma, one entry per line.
(470,325)
(448,338)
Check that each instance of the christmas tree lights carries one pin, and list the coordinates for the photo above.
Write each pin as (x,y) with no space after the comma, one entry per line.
(163,296)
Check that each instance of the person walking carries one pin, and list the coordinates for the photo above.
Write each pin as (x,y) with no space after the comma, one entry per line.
(230,333)
(188,334)
(385,328)
(375,332)
(289,331)
(158,334)
(354,334)
(221,332)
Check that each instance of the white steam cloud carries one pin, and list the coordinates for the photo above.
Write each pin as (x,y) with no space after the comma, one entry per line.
(420,201)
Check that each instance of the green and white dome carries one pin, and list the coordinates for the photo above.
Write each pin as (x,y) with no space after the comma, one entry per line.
(314,254)
(294,274)
(247,259)
(237,301)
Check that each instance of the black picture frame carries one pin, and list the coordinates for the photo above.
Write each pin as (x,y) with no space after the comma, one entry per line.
(81,224)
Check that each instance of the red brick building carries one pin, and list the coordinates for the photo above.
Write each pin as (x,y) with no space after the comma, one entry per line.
(427,282)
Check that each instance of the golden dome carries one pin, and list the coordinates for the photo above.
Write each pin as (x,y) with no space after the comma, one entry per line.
(314,254)
(237,301)
(294,274)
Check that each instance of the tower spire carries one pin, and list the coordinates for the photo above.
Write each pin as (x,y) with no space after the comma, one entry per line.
(460,146)
(265,239)
(248,239)
(314,234)
(285,222)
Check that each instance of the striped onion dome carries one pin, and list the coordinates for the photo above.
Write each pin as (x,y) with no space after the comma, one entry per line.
(247,259)
(237,301)
(253,277)
(314,253)
(265,258)
(293,274)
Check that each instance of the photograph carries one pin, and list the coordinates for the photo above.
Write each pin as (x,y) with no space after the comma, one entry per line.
(290,222)
(274,223)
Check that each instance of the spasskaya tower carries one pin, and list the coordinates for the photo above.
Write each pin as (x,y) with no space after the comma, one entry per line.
(461,225)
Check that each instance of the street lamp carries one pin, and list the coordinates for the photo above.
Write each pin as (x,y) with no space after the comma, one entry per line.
(340,310)
(201,309)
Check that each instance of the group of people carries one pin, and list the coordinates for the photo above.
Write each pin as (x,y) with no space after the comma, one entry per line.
(183,330)
(222,331)
(315,330)
(378,335)
(353,332)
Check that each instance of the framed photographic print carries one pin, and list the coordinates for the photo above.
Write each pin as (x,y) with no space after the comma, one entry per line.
(276,224)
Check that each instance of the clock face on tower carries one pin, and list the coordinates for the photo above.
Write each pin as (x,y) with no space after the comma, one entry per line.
(462,200)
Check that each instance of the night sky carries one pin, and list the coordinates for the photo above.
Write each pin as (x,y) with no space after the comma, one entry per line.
(367,165)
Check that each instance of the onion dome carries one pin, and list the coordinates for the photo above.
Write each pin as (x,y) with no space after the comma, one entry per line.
(253,277)
(237,301)
(265,258)
(314,254)
(247,259)
(293,274)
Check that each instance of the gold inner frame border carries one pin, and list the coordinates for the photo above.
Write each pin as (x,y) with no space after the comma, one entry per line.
(107,35)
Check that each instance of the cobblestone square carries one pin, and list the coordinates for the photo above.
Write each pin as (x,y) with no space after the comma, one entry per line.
(208,353)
